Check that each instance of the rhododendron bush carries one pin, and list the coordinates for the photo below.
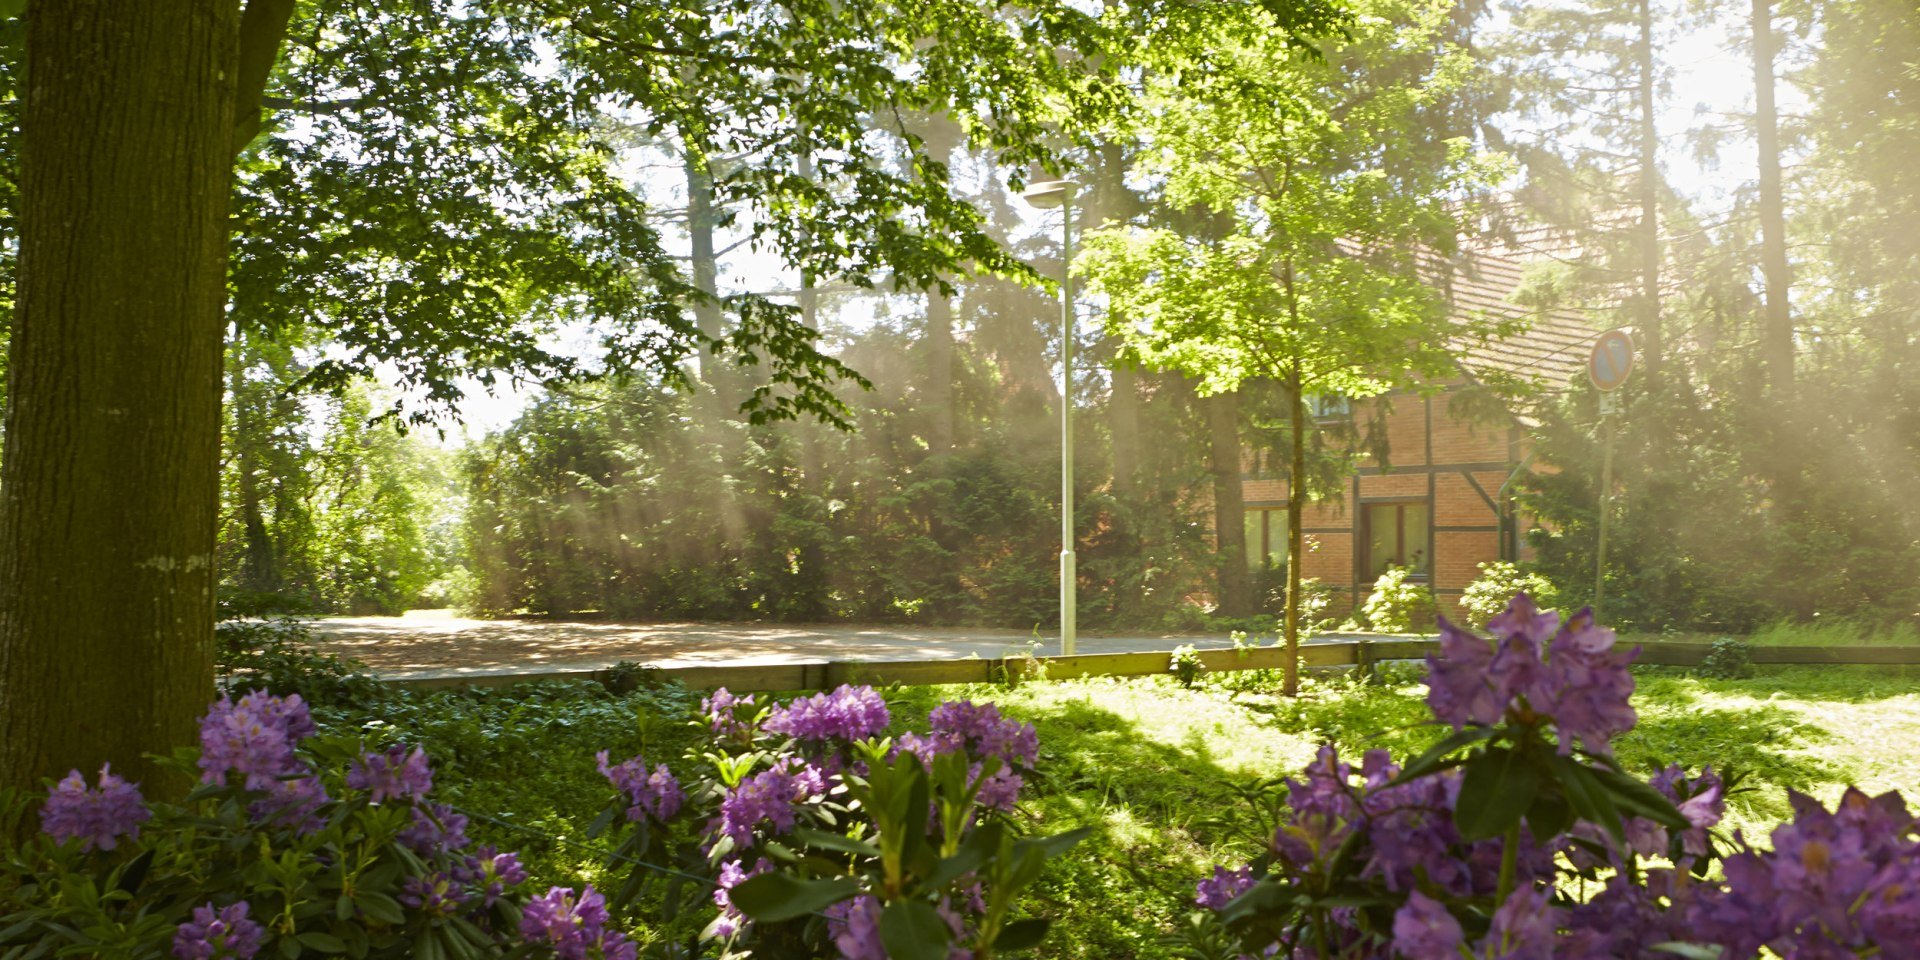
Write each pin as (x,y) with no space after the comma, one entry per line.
(807,834)
(1520,837)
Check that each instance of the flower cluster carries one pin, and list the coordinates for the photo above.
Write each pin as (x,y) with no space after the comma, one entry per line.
(719,709)
(766,797)
(847,714)
(393,774)
(1836,884)
(980,731)
(574,927)
(436,828)
(489,873)
(731,921)
(1217,891)
(854,926)
(254,738)
(218,934)
(99,817)
(657,794)
(1571,674)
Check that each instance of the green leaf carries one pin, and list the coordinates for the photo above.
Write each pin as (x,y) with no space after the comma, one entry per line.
(324,942)
(777,896)
(1435,759)
(1021,934)
(1639,797)
(381,907)
(1549,816)
(1495,792)
(913,930)
(837,842)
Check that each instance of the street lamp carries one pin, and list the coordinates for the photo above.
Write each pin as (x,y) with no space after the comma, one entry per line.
(1047,195)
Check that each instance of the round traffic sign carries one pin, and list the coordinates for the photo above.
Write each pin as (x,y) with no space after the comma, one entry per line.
(1611,361)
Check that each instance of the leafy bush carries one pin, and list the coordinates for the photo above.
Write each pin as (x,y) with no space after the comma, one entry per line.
(808,832)
(1521,836)
(1727,659)
(820,835)
(1499,582)
(1398,605)
(277,656)
(1186,663)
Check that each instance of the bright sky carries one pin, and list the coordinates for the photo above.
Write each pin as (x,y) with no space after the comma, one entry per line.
(1712,79)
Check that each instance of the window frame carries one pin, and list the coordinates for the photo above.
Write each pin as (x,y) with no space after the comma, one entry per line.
(1400,514)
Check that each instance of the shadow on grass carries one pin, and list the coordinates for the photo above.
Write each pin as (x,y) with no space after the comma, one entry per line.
(1162,815)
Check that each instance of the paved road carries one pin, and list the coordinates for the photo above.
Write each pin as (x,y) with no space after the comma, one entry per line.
(434,642)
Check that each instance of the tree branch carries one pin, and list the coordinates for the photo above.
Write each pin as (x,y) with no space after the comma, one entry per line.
(263,26)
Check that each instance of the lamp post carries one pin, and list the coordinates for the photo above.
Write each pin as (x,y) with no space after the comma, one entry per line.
(1047,195)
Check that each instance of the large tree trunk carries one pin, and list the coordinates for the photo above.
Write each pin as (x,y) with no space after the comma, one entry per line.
(1229,508)
(1778,335)
(111,472)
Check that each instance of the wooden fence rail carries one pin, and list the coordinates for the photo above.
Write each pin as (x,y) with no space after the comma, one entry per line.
(825,675)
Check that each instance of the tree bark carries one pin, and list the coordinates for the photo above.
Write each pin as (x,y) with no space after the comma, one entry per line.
(111,467)
(1653,341)
(939,404)
(701,223)
(1296,513)
(1123,417)
(1229,508)
(1778,335)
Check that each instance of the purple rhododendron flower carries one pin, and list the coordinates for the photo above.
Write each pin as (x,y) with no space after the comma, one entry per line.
(1458,690)
(491,872)
(393,774)
(218,934)
(1577,679)
(1000,790)
(1424,930)
(983,732)
(1220,889)
(575,928)
(1524,928)
(293,804)
(439,894)
(719,709)
(436,828)
(99,817)
(657,794)
(848,713)
(855,927)
(765,797)
(731,921)
(254,738)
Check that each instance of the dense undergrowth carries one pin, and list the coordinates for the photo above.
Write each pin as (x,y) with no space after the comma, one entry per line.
(1171,779)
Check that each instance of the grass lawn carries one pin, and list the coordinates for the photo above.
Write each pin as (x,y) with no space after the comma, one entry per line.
(1174,780)
(1170,777)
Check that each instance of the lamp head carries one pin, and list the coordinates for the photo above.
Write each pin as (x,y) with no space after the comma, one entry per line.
(1047,194)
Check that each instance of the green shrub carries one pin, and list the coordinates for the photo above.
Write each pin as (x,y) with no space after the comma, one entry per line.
(1498,584)
(1398,605)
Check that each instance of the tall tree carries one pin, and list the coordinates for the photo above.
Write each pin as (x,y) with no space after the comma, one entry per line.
(1334,202)
(111,472)
(441,199)
(1777,331)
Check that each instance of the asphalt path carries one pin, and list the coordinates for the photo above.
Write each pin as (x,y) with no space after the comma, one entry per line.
(426,643)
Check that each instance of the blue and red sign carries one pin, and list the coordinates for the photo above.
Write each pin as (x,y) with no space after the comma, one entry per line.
(1611,361)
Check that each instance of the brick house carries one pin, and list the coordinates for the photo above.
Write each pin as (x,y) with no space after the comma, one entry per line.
(1443,505)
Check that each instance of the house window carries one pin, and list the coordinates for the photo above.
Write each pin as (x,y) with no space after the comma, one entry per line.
(1267,539)
(1330,407)
(1397,536)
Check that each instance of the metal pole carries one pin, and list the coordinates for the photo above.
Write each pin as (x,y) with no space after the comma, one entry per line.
(1068,574)
(1606,497)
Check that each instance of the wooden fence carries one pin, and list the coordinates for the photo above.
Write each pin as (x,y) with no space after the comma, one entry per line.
(825,675)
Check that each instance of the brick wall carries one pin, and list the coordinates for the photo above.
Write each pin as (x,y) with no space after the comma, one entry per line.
(1465,526)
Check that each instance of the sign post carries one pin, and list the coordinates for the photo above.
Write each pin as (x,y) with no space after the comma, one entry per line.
(1607,367)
